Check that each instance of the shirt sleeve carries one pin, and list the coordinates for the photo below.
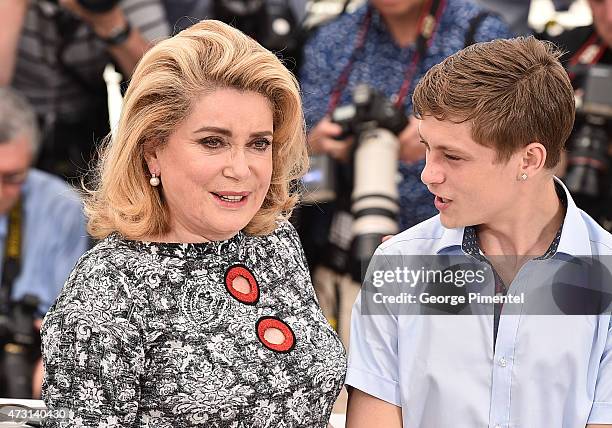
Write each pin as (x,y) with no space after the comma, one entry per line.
(92,350)
(373,349)
(148,16)
(71,241)
(601,412)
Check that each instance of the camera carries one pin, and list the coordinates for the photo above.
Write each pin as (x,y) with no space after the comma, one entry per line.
(588,160)
(375,122)
(95,6)
(271,22)
(19,346)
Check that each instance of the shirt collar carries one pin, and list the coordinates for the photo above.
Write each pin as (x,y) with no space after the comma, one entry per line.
(575,235)
(574,238)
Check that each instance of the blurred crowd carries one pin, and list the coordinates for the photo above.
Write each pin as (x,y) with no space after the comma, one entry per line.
(54,118)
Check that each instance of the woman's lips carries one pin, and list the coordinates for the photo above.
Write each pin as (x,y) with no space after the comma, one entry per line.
(231,199)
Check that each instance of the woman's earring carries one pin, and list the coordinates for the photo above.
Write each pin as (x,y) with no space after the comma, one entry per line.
(523,177)
(154,180)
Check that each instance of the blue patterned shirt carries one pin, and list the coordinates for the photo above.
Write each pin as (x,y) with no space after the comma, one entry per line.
(382,64)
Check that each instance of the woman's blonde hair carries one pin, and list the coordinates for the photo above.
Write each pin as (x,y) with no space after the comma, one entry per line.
(161,94)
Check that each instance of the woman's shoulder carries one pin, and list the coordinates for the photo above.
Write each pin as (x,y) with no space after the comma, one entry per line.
(98,295)
(100,275)
(284,233)
(281,248)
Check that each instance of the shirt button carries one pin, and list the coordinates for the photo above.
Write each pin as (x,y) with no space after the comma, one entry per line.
(502,363)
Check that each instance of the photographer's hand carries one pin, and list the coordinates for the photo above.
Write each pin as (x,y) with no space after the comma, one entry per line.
(321,140)
(103,24)
(12,17)
(411,150)
(128,52)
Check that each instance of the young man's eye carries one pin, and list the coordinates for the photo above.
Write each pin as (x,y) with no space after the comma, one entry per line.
(452,158)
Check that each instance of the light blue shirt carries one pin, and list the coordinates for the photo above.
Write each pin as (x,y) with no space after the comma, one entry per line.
(54,237)
(443,371)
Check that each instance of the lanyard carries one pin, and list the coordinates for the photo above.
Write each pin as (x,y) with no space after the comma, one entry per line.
(11,265)
(427,25)
(589,53)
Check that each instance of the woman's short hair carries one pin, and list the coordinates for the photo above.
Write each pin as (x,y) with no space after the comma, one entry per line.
(513,92)
(170,77)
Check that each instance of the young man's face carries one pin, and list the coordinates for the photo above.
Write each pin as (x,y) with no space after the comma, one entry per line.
(469,185)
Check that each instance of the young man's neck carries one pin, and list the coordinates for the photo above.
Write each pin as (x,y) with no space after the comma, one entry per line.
(528,229)
(403,28)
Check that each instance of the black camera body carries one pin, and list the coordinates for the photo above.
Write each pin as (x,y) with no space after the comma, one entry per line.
(370,109)
(375,122)
(96,6)
(587,177)
(19,347)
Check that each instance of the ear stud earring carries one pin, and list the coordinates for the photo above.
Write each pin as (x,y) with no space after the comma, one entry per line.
(154,180)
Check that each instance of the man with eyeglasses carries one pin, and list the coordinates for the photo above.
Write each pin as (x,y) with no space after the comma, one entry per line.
(42,235)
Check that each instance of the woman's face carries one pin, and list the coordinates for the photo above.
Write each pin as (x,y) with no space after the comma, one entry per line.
(216,167)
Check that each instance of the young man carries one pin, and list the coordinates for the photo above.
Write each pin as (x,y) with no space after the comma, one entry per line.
(494,119)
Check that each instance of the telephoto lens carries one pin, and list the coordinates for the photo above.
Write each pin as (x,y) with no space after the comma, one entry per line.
(587,167)
(375,122)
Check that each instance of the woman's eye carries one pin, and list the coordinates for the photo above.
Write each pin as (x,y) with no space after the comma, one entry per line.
(212,142)
(261,145)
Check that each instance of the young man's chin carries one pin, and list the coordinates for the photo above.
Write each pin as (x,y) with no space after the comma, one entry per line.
(450,222)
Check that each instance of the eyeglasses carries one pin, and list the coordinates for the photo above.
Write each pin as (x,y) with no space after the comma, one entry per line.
(14,178)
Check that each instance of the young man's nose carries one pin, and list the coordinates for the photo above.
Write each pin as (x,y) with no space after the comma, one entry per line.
(432,173)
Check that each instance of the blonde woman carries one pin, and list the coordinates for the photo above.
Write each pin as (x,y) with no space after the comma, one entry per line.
(196,307)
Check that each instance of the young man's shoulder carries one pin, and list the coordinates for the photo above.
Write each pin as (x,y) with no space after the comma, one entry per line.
(423,238)
(600,239)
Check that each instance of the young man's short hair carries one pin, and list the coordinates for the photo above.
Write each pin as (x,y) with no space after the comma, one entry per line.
(512,92)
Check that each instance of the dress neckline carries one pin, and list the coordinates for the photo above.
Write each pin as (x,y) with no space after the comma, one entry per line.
(183,250)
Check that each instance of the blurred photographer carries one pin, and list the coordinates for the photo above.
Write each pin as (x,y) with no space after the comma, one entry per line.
(42,234)
(388,45)
(589,64)
(275,24)
(55,52)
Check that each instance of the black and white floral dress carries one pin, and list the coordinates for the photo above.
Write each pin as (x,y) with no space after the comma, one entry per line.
(155,335)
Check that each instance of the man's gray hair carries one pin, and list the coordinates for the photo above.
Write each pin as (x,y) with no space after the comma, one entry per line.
(17,118)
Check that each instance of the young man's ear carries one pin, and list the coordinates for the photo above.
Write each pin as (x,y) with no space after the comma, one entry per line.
(533,159)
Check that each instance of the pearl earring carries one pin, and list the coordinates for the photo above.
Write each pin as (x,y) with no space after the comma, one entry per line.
(523,176)
(154,180)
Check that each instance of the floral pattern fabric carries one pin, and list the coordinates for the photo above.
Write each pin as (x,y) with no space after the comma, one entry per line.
(147,335)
